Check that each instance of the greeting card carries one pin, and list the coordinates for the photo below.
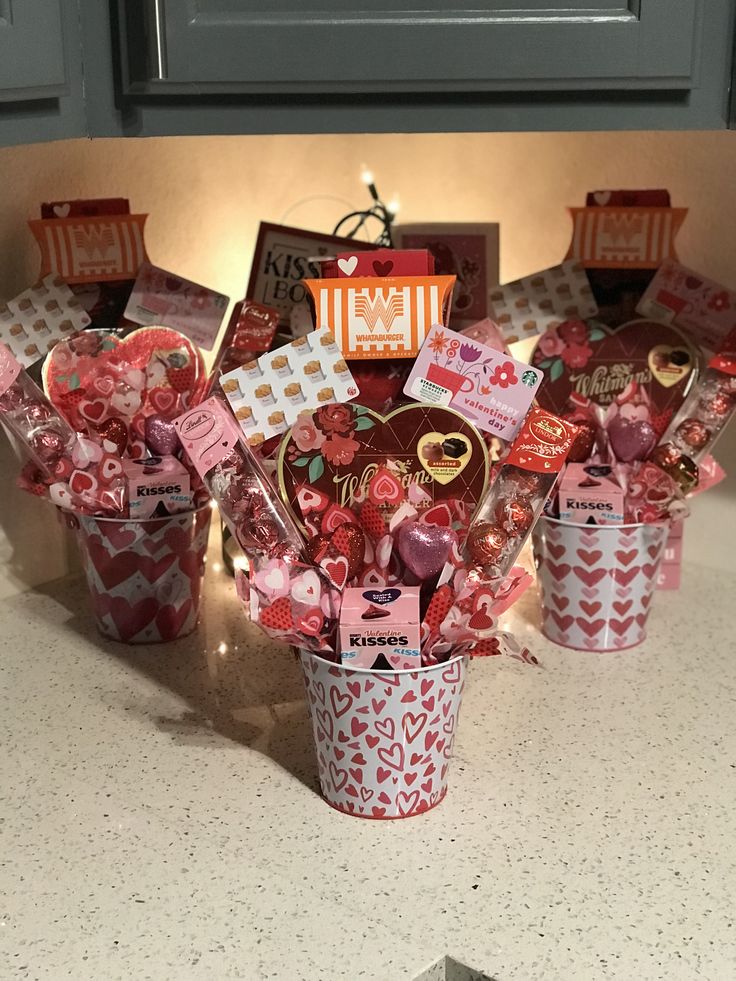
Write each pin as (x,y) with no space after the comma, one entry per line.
(488,387)
(163,298)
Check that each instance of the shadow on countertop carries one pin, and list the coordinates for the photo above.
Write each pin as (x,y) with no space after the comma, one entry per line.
(233,681)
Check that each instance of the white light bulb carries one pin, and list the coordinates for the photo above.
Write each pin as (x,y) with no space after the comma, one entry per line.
(394,205)
(366,176)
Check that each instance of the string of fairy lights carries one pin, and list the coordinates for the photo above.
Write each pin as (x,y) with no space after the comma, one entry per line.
(379,211)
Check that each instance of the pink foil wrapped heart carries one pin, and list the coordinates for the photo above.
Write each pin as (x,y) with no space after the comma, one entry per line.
(631,440)
(425,548)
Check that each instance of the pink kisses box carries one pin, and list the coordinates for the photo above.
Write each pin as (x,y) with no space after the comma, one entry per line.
(589,495)
(157,487)
(380,621)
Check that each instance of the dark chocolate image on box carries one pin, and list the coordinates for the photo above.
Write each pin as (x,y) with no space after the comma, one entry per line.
(454,447)
(375,613)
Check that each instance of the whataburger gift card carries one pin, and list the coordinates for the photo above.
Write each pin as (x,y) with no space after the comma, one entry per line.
(491,389)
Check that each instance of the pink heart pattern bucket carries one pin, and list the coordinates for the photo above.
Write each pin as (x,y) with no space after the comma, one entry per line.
(384,741)
(597,582)
(145,577)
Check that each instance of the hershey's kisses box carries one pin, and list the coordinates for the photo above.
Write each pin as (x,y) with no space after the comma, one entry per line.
(380,621)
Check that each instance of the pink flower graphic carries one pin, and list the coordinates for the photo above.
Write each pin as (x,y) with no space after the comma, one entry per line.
(551,344)
(719,302)
(339,450)
(306,435)
(504,375)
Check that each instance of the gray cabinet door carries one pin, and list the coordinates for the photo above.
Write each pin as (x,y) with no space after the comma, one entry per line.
(32,64)
(41,90)
(389,46)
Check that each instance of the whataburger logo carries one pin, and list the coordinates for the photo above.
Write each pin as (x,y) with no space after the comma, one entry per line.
(94,240)
(379,311)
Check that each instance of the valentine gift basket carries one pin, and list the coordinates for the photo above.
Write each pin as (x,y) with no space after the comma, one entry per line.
(649,396)
(381,541)
(99,443)
(115,351)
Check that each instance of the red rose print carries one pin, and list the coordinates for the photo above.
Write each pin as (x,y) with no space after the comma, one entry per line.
(573,332)
(576,355)
(340,450)
(335,419)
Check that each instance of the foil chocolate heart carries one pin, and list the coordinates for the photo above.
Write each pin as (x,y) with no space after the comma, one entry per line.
(631,440)
(161,436)
(424,548)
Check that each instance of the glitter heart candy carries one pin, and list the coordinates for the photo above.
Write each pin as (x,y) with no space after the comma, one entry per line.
(346,540)
(161,436)
(631,440)
(424,548)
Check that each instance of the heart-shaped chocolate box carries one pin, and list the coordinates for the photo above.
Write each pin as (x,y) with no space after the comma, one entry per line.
(590,360)
(345,445)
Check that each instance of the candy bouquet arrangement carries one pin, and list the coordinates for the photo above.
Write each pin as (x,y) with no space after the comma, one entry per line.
(99,443)
(381,545)
(94,431)
(649,397)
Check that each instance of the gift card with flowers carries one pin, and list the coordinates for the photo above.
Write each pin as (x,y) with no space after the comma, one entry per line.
(488,387)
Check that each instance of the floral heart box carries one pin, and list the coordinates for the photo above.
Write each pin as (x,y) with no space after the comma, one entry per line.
(586,359)
(428,454)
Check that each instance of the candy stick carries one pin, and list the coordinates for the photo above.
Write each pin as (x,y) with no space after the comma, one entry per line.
(515,500)
(248,501)
(703,418)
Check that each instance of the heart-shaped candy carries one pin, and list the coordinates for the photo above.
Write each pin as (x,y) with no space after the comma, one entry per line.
(424,548)
(631,440)
(85,452)
(588,360)
(161,436)
(384,453)
(115,432)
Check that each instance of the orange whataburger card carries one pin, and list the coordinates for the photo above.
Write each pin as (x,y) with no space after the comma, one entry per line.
(381,318)
(624,238)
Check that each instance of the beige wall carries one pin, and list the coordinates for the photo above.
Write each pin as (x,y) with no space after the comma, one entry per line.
(206,196)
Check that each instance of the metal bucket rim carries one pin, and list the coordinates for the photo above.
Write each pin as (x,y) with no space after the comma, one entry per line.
(137,521)
(372,671)
(597,528)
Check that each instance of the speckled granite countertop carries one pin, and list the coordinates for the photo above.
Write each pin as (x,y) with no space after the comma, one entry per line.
(160,819)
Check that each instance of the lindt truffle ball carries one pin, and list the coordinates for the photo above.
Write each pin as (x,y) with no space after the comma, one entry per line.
(160,435)
(514,515)
(486,542)
(716,403)
(524,482)
(693,433)
(115,432)
(666,455)
(48,446)
(584,442)
(677,465)
(37,413)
